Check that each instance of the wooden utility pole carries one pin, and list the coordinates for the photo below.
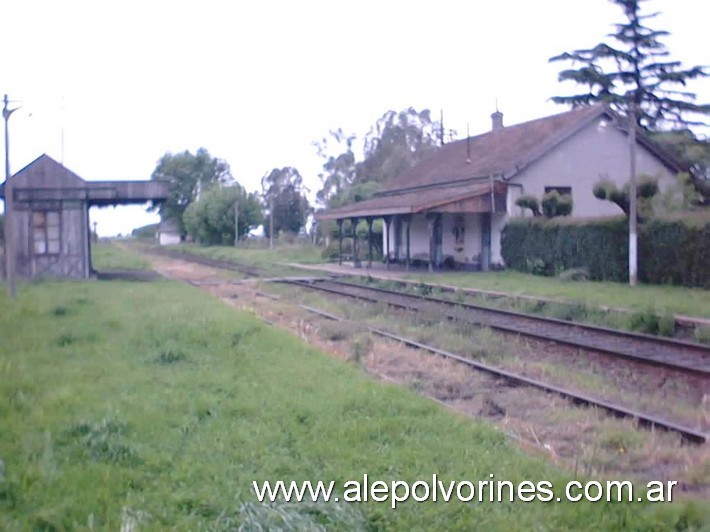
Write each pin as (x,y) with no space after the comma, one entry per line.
(633,219)
(9,240)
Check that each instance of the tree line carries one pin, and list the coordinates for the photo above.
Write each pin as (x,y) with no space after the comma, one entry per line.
(204,195)
(207,204)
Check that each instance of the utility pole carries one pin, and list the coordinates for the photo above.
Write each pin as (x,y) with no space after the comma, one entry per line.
(9,239)
(236,223)
(271,225)
(633,225)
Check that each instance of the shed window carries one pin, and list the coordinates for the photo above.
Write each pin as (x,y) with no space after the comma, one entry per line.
(562,191)
(46,231)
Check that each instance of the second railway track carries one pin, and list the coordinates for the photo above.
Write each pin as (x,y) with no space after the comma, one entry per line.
(461,311)
(678,355)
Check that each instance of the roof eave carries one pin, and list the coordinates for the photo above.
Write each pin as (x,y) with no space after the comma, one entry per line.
(363,213)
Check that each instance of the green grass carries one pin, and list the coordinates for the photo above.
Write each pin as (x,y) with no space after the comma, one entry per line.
(257,256)
(659,300)
(646,321)
(106,256)
(157,404)
(642,298)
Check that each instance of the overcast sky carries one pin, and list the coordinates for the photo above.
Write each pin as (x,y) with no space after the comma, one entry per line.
(256,82)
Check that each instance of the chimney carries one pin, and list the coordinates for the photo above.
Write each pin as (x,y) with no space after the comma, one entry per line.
(497,119)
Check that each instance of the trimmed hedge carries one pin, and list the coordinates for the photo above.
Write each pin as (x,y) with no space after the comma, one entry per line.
(676,250)
(672,250)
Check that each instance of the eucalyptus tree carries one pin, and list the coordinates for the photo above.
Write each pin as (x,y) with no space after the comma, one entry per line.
(394,143)
(285,199)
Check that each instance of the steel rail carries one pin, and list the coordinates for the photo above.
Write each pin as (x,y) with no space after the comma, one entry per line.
(673,342)
(645,420)
(688,434)
(578,342)
(704,370)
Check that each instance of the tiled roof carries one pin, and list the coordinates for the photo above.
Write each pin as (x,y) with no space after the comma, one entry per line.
(496,153)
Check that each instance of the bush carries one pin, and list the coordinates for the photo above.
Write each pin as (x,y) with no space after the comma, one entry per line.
(676,250)
(554,204)
(331,251)
(646,189)
(210,219)
(549,247)
(672,250)
(645,322)
(528,201)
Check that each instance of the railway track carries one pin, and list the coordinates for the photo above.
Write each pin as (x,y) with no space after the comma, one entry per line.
(678,355)
(673,354)
(463,311)
(643,419)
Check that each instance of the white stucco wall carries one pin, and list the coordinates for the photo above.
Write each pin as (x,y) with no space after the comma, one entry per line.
(419,238)
(168,239)
(600,151)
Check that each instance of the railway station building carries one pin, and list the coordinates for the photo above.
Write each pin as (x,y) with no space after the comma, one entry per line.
(451,207)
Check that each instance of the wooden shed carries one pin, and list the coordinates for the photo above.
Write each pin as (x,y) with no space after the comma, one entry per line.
(50,216)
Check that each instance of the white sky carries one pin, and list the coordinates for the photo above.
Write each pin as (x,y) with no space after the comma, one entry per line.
(256,82)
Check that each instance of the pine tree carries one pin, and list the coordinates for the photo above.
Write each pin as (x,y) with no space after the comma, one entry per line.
(636,80)
(639,75)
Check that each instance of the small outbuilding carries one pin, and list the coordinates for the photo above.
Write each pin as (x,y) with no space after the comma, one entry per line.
(50,231)
(168,233)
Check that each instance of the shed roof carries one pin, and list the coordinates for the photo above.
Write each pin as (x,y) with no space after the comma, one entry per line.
(168,226)
(45,172)
(46,179)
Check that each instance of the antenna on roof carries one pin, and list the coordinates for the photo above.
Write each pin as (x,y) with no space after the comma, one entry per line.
(468,145)
(497,105)
(441,128)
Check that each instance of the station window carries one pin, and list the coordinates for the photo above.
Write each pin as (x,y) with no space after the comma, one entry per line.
(562,191)
(46,228)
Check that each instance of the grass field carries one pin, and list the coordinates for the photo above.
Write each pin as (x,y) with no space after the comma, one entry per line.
(107,256)
(258,256)
(659,299)
(154,404)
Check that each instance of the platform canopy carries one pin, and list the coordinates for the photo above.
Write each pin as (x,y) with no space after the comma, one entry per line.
(470,198)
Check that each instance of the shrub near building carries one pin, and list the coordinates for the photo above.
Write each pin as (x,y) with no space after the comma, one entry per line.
(676,250)
(673,250)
